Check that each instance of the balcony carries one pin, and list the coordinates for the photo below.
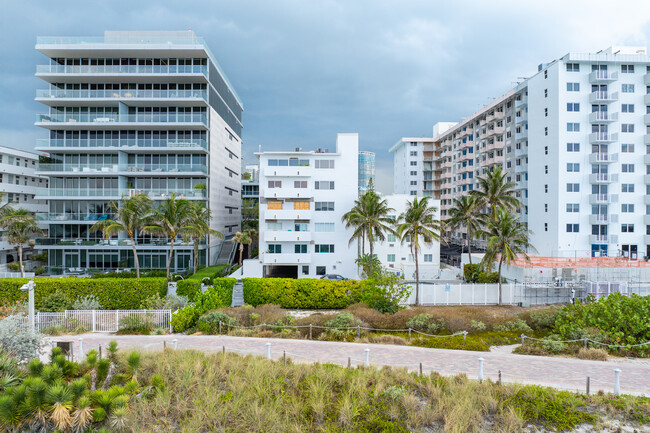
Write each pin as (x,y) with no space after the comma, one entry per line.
(521,168)
(603,137)
(603,239)
(521,135)
(646,199)
(287,214)
(289,192)
(121,70)
(90,217)
(603,177)
(286,236)
(492,161)
(115,193)
(646,99)
(595,158)
(646,79)
(646,220)
(646,179)
(297,171)
(603,97)
(286,259)
(603,218)
(646,119)
(603,198)
(112,146)
(602,77)
(152,242)
(521,103)
(602,117)
(83,169)
(646,159)
(57,95)
(101,121)
(646,139)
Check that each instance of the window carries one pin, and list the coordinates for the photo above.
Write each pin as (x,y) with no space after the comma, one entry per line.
(572,87)
(627,147)
(428,258)
(545,227)
(572,167)
(627,69)
(573,207)
(572,106)
(274,226)
(274,205)
(627,187)
(546,93)
(300,249)
(573,147)
(545,207)
(546,169)
(627,168)
(627,108)
(414,173)
(300,184)
(390,238)
(627,208)
(275,184)
(414,163)
(573,67)
(572,187)
(545,150)
(324,184)
(324,227)
(545,73)
(390,257)
(627,127)
(414,182)
(300,227)
(572,127)
(573,228)
(324,163)
(545,112)
(546,130)
(305,270)
(414,143)
(546,188)
(324,206)
(627,88)
(414,193)
(413,153)
(275,249)
(320,270)
(627,228)
(324,248)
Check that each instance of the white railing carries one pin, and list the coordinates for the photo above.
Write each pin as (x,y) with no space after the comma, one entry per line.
(102,320)
(16,275)
(602,289)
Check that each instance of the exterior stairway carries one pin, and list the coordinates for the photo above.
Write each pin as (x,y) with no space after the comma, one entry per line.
(238,294)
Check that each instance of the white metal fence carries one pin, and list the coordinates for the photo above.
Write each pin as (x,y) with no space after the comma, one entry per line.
(601,289)
(102,320)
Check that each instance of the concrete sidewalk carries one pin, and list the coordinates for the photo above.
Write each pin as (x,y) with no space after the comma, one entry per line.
(562,373)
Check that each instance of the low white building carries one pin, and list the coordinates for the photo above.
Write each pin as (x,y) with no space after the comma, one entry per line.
(18,184)
(303,195)
(398,256)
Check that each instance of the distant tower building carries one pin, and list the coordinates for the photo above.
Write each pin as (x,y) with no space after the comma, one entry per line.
(366,170)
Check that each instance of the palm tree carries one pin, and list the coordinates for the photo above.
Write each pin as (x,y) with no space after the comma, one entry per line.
(369,217)
(419,222)
(199,227)
(465,212)
(507,240)
(171,219)
(495,192)
(131,214)
(242,238)
(19,226)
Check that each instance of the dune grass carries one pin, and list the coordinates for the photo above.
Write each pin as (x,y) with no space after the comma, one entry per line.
(217,392)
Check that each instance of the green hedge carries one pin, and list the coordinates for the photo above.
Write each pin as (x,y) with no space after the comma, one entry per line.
(192,288)
(188,317)
(305,293)
(112,293)
(189,288)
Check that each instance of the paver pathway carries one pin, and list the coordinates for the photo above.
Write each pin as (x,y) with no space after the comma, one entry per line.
(560,373)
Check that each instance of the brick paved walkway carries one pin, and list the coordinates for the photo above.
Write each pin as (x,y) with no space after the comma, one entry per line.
(560,373)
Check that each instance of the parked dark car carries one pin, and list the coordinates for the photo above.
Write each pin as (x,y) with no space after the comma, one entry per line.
(335,277)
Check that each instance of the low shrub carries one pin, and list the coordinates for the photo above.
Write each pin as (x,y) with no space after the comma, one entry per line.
(304,293)
(543,319)
(17,340)
(136,324)
(169,302)
(345,324)
(189,288)
(426,323)
(530,349)
(478,326)
(552,345)
(514,325)
(89,302)
(56,302)
(384,339)
(209,323)
(593,354)
(187,317)
(473,274)
(384,292)
(14,266)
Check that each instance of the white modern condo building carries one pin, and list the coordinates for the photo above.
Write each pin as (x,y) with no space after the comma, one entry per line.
(18,184)
(575,139)
(303,196)
(128,113)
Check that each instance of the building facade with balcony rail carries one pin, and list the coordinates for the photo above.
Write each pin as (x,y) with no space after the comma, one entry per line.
(575,139)
(130,113)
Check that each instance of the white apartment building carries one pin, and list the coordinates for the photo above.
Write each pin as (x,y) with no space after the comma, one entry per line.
(574,138)
(129,113)
(398,256)
(18,183)
(303,196)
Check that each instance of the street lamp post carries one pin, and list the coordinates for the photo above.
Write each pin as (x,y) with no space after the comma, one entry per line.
(29,288)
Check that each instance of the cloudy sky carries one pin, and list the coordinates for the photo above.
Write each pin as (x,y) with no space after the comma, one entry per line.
(306,70)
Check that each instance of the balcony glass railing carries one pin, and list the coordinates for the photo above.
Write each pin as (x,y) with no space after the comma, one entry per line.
(135,93)
(133,168)
(126,69)
(115,192)
(125,118)
(106,143)
(45,216)
(113,242)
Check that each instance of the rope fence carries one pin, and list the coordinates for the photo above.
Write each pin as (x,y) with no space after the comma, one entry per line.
(585,340)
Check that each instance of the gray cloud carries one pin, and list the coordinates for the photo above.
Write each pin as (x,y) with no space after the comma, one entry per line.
(307,70)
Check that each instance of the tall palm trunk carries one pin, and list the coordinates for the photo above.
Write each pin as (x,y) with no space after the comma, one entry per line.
(171,254)
(20,260)
(469,245)
(196,254)
(417,276)
(241,252)
(500,294)
(135,256)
